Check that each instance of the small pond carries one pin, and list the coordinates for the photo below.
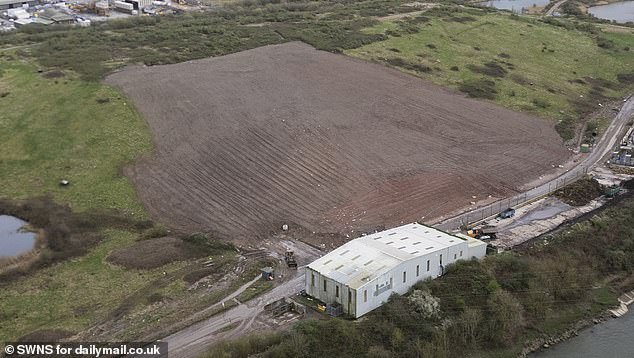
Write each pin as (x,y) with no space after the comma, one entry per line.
(514,5)
(620,11)
(14,240)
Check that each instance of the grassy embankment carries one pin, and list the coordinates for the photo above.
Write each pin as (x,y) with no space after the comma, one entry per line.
(487,308)
(53,129)
(521,63)
(64,128)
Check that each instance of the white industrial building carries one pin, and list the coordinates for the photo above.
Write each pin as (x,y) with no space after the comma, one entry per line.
(362,274)
(14,4)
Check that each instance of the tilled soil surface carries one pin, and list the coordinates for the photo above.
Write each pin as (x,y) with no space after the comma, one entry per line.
(289,134)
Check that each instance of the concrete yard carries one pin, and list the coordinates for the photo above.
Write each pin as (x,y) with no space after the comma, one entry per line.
(289,134)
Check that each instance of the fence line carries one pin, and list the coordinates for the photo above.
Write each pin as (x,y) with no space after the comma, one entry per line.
(497,207)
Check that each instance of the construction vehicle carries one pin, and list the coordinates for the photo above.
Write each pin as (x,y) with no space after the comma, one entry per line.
(289,257)
(481,235)
(508,213)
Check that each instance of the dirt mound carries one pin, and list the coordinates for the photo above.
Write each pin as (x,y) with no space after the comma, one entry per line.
(148,254)
(45,335)
(53,74)
(629,184)
(287,133)
(580,192)
(156,252)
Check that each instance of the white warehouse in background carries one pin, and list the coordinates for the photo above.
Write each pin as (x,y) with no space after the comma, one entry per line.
(362,274)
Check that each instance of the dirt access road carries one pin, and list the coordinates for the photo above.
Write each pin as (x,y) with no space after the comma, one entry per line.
(289,134)
(193,340)
(605,145)
(555,7)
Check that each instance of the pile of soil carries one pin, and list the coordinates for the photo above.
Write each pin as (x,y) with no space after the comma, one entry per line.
(629,185)
(156,252)
(46,335)
(54,74)
(149,254)
(581,192)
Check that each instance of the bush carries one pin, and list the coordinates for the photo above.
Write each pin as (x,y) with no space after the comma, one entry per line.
(399,62)
(479,88)
(492,69)
(540,103)
(505,318)
(605,43)
(626,78)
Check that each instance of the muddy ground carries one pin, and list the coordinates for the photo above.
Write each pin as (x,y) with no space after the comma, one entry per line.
(288,134)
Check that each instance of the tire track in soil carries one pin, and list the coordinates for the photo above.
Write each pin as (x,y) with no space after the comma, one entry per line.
(286,133)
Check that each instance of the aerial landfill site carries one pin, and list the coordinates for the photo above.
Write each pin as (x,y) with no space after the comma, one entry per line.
(281,178)
(280,134)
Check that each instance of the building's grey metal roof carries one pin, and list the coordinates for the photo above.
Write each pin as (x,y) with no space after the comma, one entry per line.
(362,260)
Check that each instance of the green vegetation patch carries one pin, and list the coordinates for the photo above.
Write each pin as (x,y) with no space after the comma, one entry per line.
(72,295)
(258,288)
(557,70)
(63,129)
(55,127)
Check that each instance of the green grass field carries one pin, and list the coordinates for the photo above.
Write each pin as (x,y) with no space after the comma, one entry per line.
(72,295)
(536,67)
(52,129)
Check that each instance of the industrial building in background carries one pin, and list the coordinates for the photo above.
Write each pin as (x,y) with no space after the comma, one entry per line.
(362,274)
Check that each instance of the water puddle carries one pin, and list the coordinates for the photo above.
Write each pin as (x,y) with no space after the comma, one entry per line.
(549,209)
(13,239)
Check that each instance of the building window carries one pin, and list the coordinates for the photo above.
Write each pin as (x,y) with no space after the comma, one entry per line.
(365,295)
(325,285)
(460,253)
(417,270)
(336,291)
(427,265)
(404,276)
(455,256)
(441,259)
(312,279)
(349,297)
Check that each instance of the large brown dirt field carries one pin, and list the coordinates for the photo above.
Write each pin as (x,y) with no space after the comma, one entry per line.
(289,134)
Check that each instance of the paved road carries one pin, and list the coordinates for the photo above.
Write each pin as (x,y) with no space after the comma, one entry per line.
(555,7)
(600,151)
